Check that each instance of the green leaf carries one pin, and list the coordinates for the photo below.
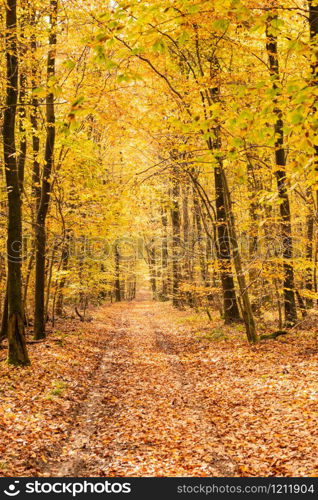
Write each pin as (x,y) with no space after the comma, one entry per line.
(39,92)
(183,38)
(221,25)
(100,53)
(78,102)
(102,37)
(296,118)
(123,78)
(159,46)
(69,64)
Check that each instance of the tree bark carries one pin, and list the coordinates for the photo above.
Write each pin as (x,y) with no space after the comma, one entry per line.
(176,223)
(199,237)
(247,312)
(36,180)
(151,258)
(231,311)
(61,284)
(164,255)
(117,274)
(280,173)
(22,98)
(309,255)
(17,354)
(313,27)
(187,243)
(40,230)
(4,320)
(223,250)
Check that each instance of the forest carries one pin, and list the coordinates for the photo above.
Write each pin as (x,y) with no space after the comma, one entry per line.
(159,250)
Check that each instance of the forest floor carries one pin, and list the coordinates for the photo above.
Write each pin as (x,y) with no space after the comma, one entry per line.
(145,390)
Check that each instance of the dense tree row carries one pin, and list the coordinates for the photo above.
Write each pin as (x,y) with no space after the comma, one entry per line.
(177,138)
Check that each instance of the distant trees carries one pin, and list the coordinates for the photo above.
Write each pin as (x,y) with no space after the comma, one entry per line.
(218,104)
(190,127)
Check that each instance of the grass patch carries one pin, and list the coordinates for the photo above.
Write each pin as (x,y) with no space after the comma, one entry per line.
(214,335)
(58,387)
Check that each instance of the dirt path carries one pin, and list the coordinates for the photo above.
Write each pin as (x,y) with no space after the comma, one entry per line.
(143,415)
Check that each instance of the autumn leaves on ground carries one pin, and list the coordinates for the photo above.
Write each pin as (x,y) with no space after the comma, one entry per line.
(144,390)
(170,146)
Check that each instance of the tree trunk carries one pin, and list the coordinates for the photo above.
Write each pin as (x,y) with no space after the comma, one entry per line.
(313,26)
(61,285)
(309,256)
(187,243)
(223,250)
(4,320)
(151,258)
(280,173)
(49,281)
(22,99)
(40,230)
(175,221)
(199,237)
(247,312)
(117,274)
(27,282)
(36,185)
(164,255)
(253,187)
(231,311)
(17,354)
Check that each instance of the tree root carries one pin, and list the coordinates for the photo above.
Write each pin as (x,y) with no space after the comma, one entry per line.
(81,317)
(273,335)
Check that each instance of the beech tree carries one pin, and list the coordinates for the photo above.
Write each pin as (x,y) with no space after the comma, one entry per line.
(190,127)
(17,353)
(43,206)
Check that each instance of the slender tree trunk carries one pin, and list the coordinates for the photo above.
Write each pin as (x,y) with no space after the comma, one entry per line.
(36,186)
(61,285)
(49,282)
(22,98)
(315,269)
(230,307)
(313,27)
(231,311)
(176,222)
(253,187)
(36,180)
(151,257)
(40,230)
(117,274)
(22,117)
(247,312)
(23,141)
(309,255)
(27,281)
(164,255)
(4,320)
(187,236)
(280,173)
(199,236)
(17,354)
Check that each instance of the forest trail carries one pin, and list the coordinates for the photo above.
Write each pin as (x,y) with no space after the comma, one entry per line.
(143,414)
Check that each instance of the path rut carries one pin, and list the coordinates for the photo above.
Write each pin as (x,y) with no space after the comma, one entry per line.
(142,415)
